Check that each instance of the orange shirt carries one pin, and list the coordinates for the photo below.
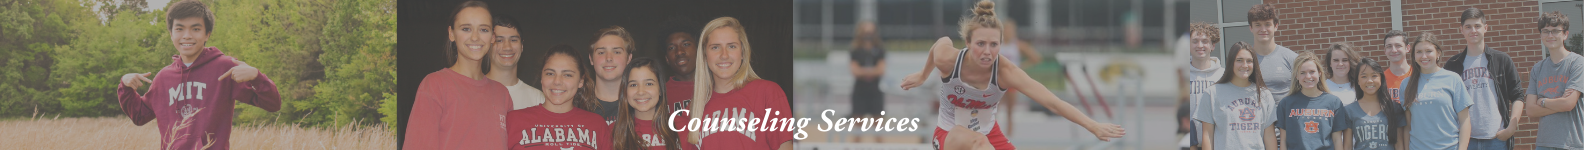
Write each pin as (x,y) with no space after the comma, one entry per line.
(1394,84)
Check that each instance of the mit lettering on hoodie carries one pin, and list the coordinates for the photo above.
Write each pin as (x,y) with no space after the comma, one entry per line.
(193,105)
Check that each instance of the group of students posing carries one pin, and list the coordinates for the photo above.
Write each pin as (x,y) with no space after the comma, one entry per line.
(596,99)
(1342,100)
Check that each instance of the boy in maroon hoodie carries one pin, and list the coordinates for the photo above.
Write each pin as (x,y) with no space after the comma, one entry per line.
(194,96)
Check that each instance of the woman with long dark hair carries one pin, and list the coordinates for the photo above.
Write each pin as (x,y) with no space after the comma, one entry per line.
(547,126)
(1436,98)
(458,107)
(643,89)
(1240,111)
(1373,120)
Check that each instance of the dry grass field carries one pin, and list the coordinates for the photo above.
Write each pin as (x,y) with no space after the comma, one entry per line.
(120,133)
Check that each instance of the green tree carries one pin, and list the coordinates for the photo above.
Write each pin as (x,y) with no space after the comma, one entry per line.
(333,61)
(88,70)
(360,62)
(28,29)
(280,38)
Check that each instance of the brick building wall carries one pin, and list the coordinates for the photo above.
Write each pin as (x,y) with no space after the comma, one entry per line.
(1524,139)
(1310,25)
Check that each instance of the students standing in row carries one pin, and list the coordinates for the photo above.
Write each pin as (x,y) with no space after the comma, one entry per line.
(1470,103)
(1554,85)
(1239,115)
(1491,79)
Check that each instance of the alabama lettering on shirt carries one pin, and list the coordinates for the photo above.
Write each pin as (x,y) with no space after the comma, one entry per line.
(679,94)
(650,140)
(735,113)
(754,116)
(537,128)
(680,105)
(559,136)
(647,134)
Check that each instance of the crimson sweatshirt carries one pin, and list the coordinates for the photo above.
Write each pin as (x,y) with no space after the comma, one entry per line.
(679,96)
(452,111)
(748,102)
(191,112)
(652,140)
(537,128)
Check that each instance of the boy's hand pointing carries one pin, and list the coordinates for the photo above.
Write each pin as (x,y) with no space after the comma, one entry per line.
(133,80)
(241,73)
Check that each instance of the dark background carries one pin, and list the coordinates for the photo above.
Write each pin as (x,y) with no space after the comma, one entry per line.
(547,23)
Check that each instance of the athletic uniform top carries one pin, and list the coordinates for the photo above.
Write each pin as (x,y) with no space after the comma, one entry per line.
(970,107)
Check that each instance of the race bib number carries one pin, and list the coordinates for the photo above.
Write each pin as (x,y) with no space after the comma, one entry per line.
(980,120)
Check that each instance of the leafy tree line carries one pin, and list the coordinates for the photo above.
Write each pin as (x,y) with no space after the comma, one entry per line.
(333,60)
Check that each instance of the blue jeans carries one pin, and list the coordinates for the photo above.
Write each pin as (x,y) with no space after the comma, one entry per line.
(1487,144)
